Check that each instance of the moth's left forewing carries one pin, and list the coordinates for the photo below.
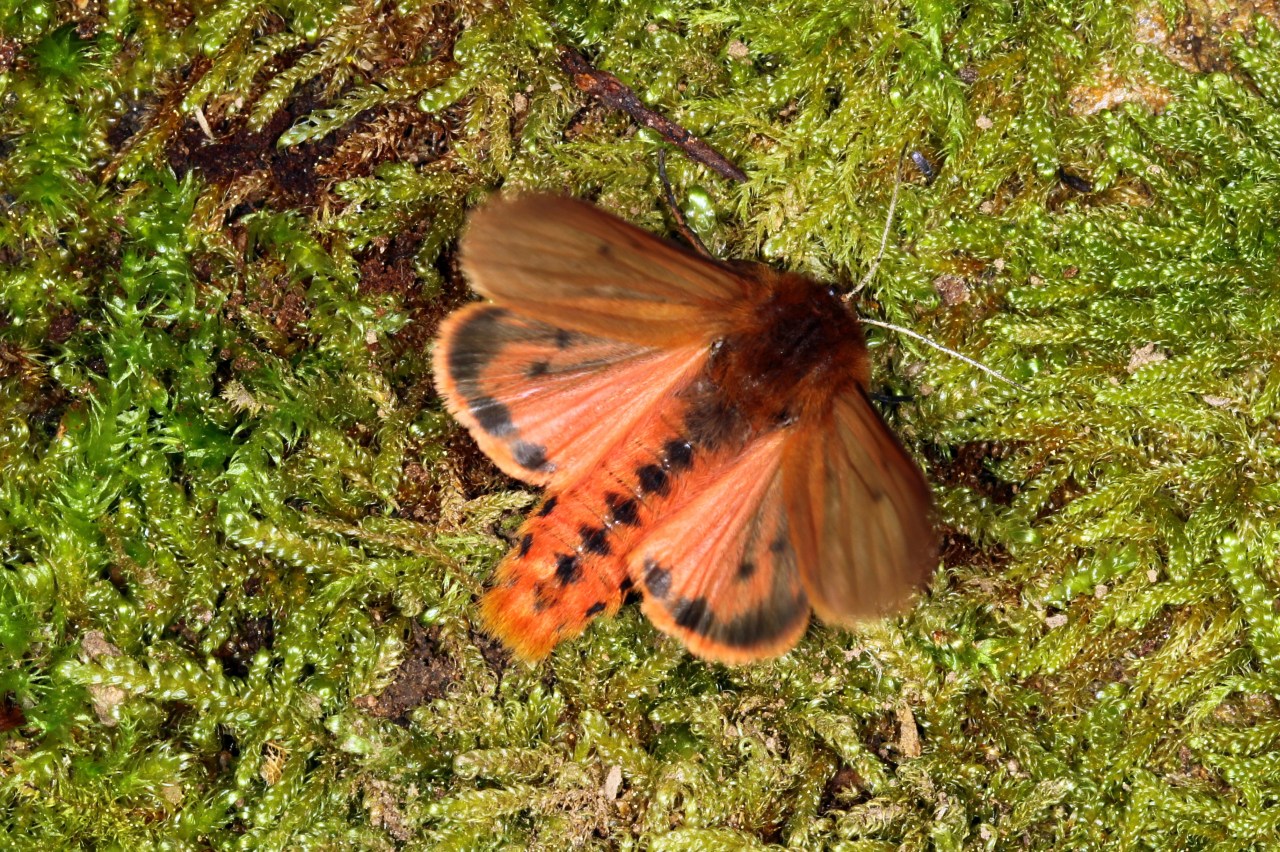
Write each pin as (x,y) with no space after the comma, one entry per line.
(861,514)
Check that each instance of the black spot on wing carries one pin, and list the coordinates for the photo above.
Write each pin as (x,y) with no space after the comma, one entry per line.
(492,416)
(564,339)
(525,544)
(538,369)
(691,614)
(531,456)
(568,569)
(548,506)
(474,345)
(677,455)
(656,579)
(594,539)
(653,480)
(622,511)
(595,609)
(762,625)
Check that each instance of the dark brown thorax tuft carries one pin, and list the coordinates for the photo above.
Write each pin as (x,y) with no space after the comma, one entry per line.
(794,347)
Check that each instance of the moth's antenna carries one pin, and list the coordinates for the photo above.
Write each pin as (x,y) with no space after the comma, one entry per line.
(888,226)
(875,266)
(682,224)
(953,353)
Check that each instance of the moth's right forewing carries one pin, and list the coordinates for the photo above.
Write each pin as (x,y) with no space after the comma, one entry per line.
(861,515)
(569,264)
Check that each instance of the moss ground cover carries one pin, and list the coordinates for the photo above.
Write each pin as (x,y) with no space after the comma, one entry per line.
(241,541)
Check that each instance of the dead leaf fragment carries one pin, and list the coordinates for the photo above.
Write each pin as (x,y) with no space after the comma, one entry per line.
(95,645)
(952,289)
(1108,90)
(385,810)
(908,732)
(106,698)
(1145,355)
(273,761)
(612,783)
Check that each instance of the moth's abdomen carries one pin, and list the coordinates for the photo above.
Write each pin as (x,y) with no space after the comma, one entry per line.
(562,572)
(568,565)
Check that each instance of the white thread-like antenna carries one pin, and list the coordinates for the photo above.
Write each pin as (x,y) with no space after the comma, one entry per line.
(953,353)
(884,238)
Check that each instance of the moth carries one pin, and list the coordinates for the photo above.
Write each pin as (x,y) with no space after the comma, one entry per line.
(702,429)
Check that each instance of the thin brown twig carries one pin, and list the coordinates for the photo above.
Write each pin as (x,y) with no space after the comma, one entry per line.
(682,224)
(613,93)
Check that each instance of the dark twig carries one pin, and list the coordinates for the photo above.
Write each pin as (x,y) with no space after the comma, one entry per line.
(682,224)
(613,93)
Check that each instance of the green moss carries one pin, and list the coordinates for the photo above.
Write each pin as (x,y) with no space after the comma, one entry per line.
(241,540)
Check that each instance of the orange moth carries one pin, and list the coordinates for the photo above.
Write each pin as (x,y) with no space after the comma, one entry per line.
(702,430)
